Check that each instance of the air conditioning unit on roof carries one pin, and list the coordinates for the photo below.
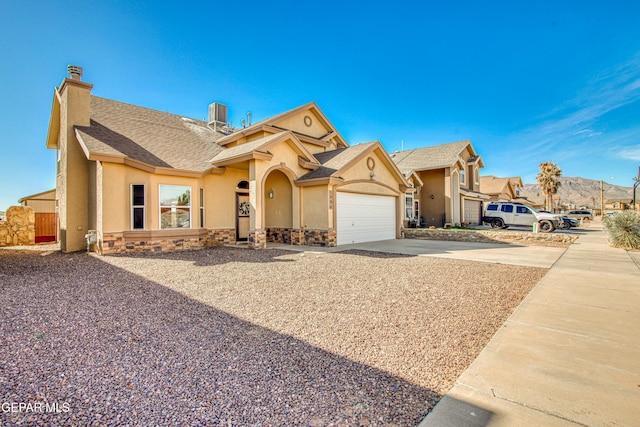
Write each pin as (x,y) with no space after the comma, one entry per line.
(217,114)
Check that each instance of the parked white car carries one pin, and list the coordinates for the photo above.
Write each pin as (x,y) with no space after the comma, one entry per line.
(505,214)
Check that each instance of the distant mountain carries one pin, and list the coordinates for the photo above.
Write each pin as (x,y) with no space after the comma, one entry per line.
(576,192)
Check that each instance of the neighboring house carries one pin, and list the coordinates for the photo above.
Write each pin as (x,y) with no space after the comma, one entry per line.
(40,202)
(44,207)
(446,180)
(618,205)
(2,215)
(506,189)
(147,180)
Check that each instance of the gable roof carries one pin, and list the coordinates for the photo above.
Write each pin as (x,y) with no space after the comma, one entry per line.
(279,117)
(37,195)
(335,162)
(123,131)
(493,185)
(434,157)
(259,148)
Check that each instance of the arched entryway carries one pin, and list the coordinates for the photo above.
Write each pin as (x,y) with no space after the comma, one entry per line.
(278,207)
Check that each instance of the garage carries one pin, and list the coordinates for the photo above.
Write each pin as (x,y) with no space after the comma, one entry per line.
(472,211)
(364,218)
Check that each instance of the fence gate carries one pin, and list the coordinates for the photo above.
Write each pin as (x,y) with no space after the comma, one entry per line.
(45,227)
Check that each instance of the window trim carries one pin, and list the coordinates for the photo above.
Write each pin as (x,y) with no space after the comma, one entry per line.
(201,208)
(408,207)
(161,206)
(133,207)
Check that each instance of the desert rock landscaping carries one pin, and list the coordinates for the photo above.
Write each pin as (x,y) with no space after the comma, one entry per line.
(229,336)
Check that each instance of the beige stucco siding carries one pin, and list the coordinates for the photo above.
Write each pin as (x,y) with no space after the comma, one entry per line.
(296,123)
(431,209)
(315,207)
(278,206)
(220,198)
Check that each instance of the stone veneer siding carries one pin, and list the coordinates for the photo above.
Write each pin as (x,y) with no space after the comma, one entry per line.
(491,236)
(258,239)
(320,238)
(279,235)
(19,228)
(123,242)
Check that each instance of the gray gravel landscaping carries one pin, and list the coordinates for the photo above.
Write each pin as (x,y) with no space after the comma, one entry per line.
(230,336)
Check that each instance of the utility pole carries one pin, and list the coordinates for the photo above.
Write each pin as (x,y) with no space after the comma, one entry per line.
(602,199)
(637,182)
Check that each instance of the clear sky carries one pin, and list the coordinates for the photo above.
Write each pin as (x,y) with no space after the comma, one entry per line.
(525,81)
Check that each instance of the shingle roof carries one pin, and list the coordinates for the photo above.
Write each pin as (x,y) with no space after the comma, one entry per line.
(435,157)
(334,160)
(246,148)
(493,185)
(153,137)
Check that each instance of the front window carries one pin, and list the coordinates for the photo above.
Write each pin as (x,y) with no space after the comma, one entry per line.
(523,210)
(463,179)
(202,208)
(408,206)
(175,206)
(137,207)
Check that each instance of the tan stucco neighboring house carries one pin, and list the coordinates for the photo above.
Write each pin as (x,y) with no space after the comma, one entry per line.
(44,208)
(146,180)
(40,202)
(446,180)
(506,189)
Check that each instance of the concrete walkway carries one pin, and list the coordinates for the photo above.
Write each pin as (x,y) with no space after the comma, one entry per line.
(569,355)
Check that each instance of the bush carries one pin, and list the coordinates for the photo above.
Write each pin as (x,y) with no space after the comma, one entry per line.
(624,229)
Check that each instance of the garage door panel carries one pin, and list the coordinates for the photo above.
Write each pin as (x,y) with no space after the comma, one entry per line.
(365,218)
(472,211)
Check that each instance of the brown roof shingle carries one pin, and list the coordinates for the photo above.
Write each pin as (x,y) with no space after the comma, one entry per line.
(153,137)
(435,157)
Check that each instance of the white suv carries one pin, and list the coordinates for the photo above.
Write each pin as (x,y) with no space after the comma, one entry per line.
(505,214)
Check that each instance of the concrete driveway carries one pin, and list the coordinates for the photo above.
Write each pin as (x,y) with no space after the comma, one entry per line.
(531,256)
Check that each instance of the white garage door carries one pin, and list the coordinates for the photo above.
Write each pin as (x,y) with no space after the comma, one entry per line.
(472,211)
(365,218)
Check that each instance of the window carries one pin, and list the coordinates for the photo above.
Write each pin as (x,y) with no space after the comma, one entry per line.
(492,207)
(416,209)
(506,208)
(522,210)
(175,206)
(463,178)
(137,207)
(408,206)
(202,208)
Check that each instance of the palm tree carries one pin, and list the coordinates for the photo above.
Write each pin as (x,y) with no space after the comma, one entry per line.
(549,182)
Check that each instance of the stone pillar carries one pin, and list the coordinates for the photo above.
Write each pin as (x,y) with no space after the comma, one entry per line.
(257,239)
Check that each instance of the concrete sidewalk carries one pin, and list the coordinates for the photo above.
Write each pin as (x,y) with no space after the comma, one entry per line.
(569,355)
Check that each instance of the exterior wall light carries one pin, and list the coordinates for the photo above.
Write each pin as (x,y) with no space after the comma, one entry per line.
(272,194)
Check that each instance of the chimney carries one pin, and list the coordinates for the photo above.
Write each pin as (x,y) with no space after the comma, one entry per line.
(75,71)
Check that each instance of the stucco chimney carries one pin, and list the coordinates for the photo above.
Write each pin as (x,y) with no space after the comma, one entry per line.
(75,71)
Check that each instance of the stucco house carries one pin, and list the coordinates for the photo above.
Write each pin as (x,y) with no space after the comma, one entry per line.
(507,189)
(146,180)
(446,183)
(44,207)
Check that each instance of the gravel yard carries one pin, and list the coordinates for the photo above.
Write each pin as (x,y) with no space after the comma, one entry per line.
(226,336)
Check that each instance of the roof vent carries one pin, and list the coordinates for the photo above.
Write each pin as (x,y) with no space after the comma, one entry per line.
(75,71)
(217,115)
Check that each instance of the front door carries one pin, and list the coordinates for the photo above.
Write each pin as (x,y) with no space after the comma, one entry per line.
(243,209)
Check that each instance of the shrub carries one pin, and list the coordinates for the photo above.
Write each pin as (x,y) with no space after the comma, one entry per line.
(624,229)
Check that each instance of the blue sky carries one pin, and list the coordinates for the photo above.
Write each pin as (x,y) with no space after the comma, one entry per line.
(526,82)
